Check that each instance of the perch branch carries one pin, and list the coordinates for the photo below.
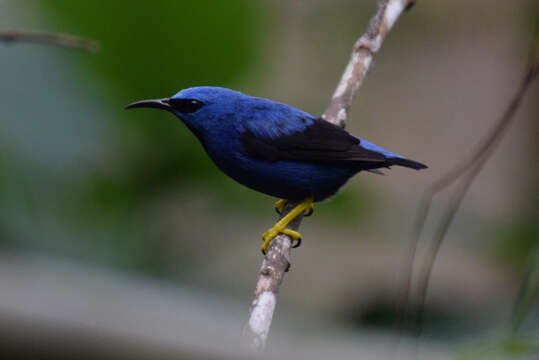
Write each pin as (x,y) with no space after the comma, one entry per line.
(62,40)
(277,260)
(275,264)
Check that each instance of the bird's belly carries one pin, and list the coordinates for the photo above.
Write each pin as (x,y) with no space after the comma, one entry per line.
(286,179)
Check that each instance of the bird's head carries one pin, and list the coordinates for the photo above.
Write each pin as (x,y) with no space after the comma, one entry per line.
(200,108)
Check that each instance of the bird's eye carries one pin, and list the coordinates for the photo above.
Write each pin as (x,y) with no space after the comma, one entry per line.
(185,105)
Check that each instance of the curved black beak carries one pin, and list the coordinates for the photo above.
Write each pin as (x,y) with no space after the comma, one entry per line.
(162,104)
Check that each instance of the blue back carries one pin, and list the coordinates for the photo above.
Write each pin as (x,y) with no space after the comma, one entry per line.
(227,110)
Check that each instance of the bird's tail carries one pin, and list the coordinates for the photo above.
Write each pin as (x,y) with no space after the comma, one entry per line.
(406,163)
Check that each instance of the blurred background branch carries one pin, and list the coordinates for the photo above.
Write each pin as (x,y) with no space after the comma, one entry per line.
(466,171)
(62,40)
(528,294)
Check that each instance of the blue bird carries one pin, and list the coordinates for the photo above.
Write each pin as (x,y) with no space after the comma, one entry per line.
(275,148)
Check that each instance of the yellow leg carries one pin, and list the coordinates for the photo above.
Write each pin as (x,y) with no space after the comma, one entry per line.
(279,205)
(280,226)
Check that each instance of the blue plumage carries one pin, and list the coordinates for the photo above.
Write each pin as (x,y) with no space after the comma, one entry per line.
(272,147)
(370,146)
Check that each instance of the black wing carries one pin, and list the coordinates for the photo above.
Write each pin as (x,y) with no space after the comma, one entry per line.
(320,142)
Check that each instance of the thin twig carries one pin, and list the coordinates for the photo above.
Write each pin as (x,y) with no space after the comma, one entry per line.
(62,40)
(361,59)
(277,260)
(467,170)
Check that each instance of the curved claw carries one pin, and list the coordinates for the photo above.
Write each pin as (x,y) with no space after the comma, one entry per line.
(271,233)
(296,237)
(292,233)
(309,207)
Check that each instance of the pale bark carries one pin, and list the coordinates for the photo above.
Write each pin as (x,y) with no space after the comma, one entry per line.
(277,260)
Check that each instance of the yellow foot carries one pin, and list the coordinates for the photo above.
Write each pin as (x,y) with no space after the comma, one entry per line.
(279,206)
(281,225)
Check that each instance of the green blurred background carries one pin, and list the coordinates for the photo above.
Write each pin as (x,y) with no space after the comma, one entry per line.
(90,191)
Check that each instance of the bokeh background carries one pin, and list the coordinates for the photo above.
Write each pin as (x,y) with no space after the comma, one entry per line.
(120,239)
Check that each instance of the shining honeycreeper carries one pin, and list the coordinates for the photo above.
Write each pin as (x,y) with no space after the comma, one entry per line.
(275,148)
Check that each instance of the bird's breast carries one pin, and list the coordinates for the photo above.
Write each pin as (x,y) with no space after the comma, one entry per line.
(283,179)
